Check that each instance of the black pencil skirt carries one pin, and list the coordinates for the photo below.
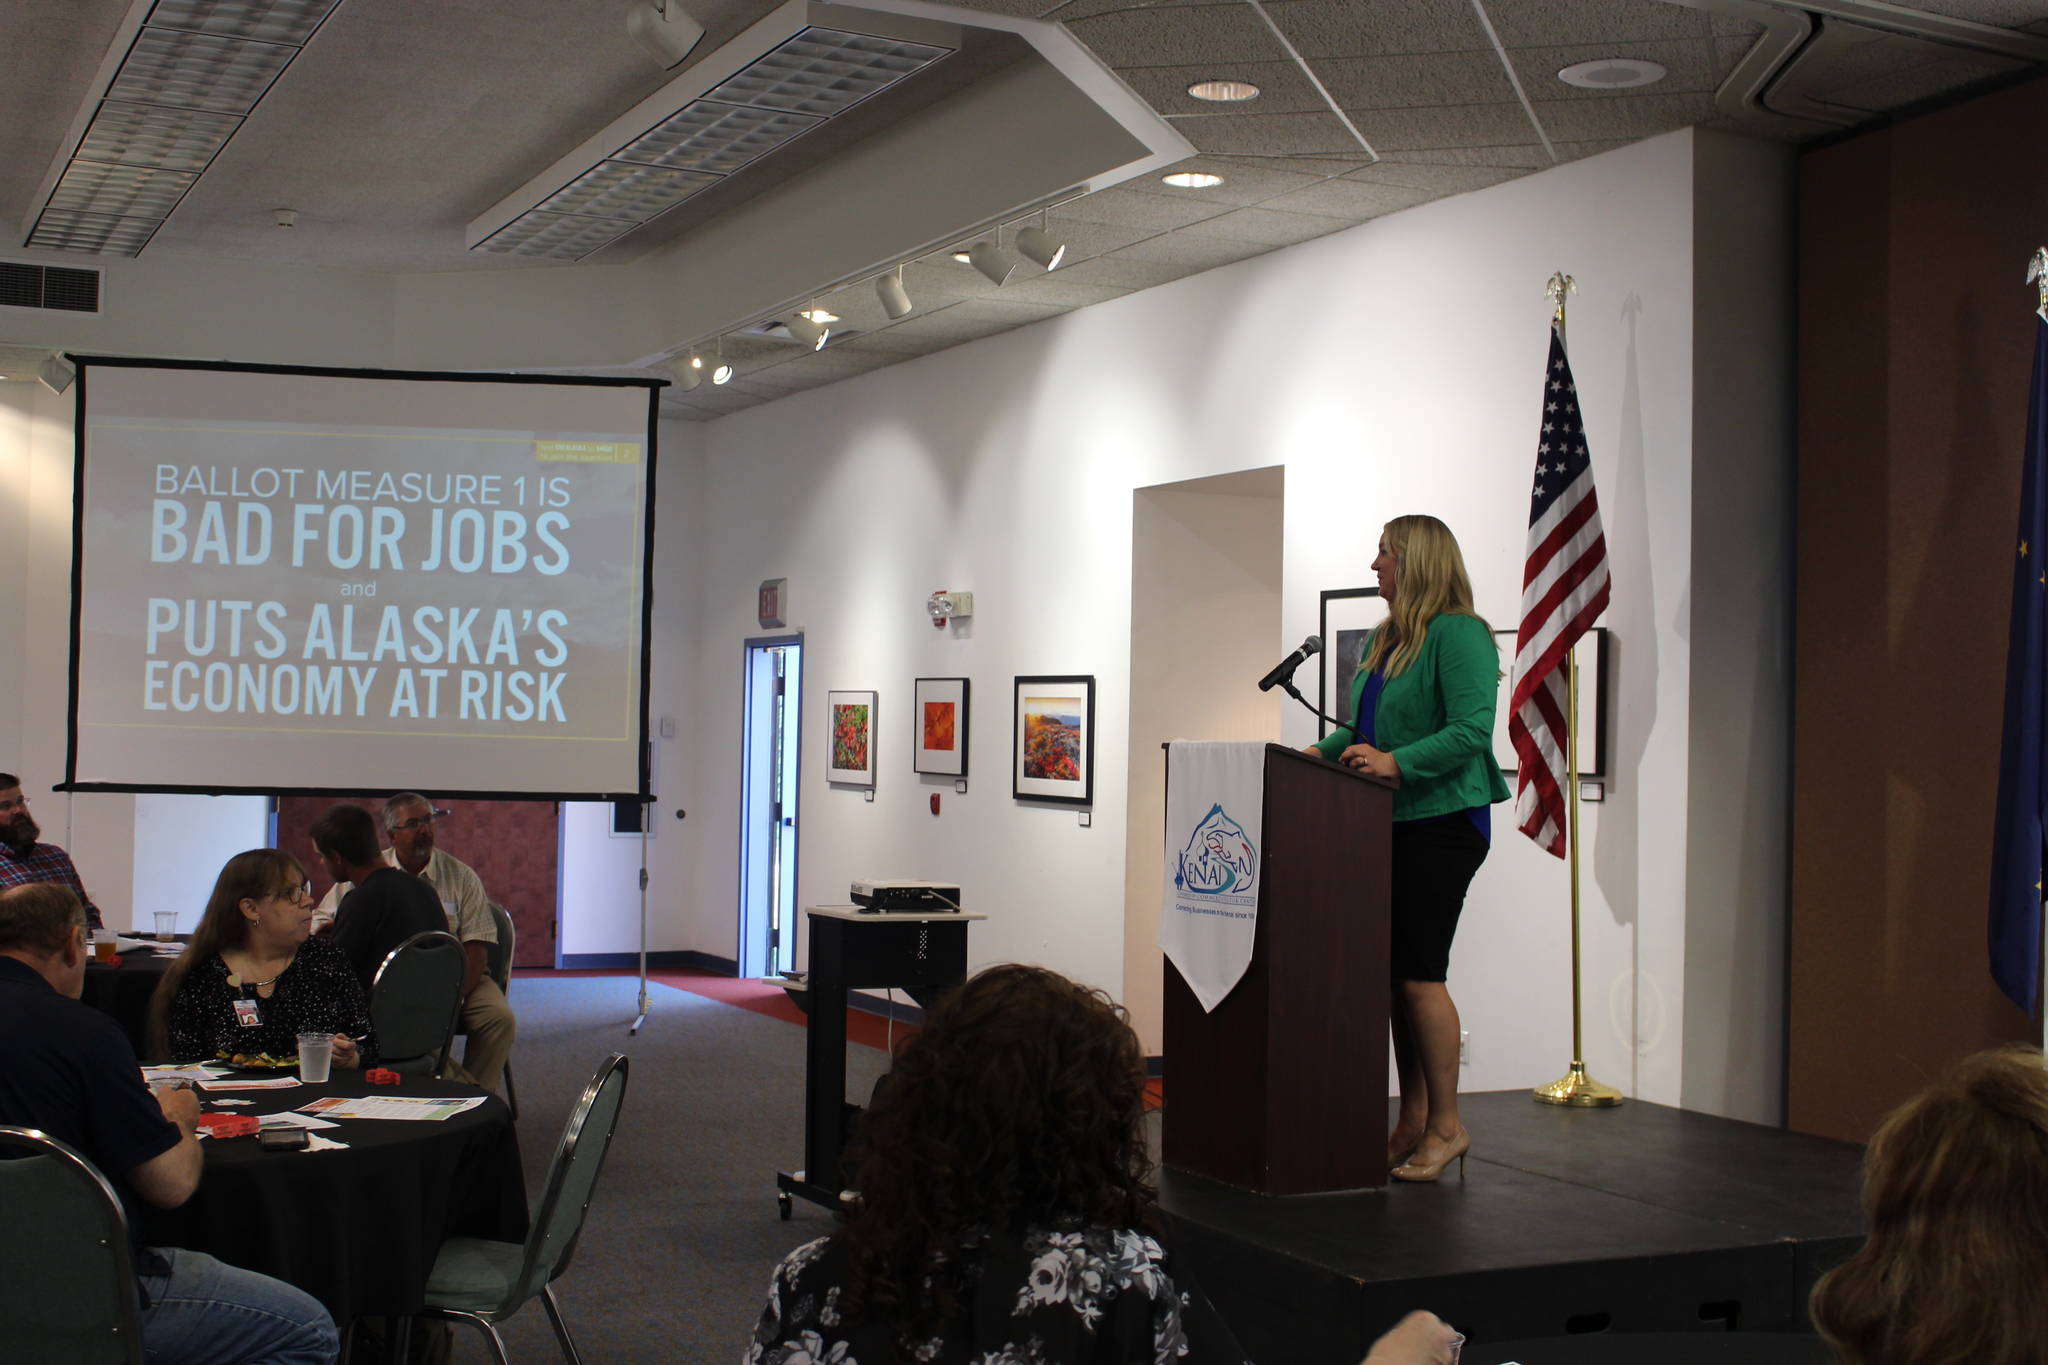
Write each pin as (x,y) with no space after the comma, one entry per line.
(1433,863)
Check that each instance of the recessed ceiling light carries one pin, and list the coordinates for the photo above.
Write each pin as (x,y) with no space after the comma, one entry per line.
(1192,180)
(1612,73)
(816,314)
(1224,92)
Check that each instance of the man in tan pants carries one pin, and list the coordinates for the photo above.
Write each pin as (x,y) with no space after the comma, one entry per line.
(408,820)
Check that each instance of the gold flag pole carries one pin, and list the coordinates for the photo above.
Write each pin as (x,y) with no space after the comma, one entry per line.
(1575,1088)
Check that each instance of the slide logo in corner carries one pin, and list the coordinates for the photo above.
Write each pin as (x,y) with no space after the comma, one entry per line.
(1219,859)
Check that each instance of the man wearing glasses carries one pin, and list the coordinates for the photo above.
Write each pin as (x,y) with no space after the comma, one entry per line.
(24,861)
(408,820)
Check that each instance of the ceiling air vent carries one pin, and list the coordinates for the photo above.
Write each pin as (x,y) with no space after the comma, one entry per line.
(62,287)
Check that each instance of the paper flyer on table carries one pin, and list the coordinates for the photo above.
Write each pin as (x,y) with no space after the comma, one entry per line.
(251,1083)
(293,1120)
(389,1107)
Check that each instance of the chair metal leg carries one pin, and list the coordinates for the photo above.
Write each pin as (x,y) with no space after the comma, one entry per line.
(547,1301)
(398,1345)
(496,1342)
(511,1100)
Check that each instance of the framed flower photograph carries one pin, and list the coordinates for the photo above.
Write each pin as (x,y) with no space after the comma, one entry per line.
(1348,616)
(852,718)
(1054,740)
(939,726)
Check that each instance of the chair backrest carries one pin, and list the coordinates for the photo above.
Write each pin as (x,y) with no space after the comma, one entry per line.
(572,1176)
(67,1285)
(500,957)
(414,1000)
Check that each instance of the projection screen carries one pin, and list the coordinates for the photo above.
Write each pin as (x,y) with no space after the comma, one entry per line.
(350,582)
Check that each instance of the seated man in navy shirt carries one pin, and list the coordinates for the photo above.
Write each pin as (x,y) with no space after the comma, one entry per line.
(67,1069)
(387,906)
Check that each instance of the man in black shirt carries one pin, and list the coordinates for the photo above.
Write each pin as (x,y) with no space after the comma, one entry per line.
(387,906)
(67,1069)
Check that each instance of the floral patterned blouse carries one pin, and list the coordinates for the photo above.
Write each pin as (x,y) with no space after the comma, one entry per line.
(1088,1296)
(317,993)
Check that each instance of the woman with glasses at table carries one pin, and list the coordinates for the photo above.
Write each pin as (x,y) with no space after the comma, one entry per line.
(252,979)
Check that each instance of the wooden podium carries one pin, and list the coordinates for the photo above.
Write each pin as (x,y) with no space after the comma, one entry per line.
(1282,1088)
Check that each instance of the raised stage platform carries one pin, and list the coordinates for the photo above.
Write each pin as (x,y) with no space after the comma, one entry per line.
(1641,1218)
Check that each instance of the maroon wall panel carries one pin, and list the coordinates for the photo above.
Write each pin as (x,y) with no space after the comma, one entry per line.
(515,846)
(1915,341)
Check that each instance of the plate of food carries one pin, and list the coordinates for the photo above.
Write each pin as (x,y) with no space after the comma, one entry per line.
(257,1061)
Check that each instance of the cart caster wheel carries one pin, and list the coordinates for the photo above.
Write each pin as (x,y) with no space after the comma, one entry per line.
(784,1204)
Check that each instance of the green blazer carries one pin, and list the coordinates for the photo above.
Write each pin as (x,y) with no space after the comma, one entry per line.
(1436,719)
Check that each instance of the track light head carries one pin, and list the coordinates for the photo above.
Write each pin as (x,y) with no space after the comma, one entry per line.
(689,371)
(895,299)
(811,334)
(721,373)
(1040,246)
(663,29)
(991,261)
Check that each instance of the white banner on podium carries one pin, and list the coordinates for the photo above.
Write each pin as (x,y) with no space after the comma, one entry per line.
(1215,801)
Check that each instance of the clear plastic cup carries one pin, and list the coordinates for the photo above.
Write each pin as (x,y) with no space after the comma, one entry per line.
(166,925)
(316,1055)
(1457,1345)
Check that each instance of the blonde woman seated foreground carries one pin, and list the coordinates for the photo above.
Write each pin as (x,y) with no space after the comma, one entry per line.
(1006,1212)
(1955,1193)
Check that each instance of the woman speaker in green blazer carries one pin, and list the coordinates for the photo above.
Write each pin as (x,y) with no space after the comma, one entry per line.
(1424,700)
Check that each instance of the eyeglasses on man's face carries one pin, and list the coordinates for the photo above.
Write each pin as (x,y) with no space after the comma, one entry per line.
(417,822)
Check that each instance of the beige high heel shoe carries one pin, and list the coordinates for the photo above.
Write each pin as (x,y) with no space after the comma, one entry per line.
(1455,1150)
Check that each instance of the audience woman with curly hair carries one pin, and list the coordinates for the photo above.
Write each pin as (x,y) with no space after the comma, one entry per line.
(1005,1213)
(1955,1195)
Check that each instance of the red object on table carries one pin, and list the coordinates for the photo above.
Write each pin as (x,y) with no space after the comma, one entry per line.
(378,1075)
(229,1125)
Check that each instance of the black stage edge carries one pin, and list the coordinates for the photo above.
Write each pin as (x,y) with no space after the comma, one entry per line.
(1641,1218)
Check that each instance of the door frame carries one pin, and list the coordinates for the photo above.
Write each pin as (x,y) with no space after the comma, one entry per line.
(747,648)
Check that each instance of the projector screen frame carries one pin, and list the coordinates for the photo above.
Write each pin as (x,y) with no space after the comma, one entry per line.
(84,364)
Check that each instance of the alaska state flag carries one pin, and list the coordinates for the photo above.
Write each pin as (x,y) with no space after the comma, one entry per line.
(2016,845)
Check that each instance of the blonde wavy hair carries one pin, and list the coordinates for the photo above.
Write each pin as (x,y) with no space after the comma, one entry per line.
(1432,582)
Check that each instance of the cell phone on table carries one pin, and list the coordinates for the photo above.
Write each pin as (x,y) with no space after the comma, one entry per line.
(282,1139)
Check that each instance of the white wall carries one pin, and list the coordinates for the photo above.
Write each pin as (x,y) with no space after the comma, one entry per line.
(181,842)
(1390,368)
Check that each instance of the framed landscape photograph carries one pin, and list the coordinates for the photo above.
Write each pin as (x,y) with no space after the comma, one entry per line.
(940,726)
(1348,616)
(852,719)
(1592,719)
(1054,758)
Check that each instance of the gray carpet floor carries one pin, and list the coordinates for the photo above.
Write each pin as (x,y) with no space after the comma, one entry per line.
(683,1231)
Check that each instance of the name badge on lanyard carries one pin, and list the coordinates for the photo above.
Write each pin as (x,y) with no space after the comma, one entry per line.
(248,1013)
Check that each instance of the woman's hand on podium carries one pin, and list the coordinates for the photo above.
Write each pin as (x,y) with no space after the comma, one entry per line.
(1366,759)
(1418,1339)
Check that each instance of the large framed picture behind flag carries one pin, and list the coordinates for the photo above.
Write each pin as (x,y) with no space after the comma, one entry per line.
(1348,615)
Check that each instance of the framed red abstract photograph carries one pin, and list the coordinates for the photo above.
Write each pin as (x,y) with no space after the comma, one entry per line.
(939,726)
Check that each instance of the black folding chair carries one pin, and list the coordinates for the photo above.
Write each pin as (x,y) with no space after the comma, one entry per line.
(67,1284)
(415,999)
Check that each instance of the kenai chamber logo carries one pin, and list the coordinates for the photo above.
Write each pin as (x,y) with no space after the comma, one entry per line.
(1218,860)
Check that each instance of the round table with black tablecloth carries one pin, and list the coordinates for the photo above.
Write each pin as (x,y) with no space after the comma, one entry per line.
(1655,1348)
(357,1229)
(124,991)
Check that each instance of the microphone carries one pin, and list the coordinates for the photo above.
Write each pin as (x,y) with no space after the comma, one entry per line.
(1285,668)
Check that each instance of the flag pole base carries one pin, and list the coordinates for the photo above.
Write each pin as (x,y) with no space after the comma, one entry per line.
(1577,1090)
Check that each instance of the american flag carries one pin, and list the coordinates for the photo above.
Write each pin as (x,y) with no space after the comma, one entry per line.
(1564,587)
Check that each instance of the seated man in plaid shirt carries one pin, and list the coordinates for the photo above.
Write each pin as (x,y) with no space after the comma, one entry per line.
(23,860)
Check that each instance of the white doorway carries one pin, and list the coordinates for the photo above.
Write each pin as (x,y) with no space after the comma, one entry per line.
(1205,626)
(768,805)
